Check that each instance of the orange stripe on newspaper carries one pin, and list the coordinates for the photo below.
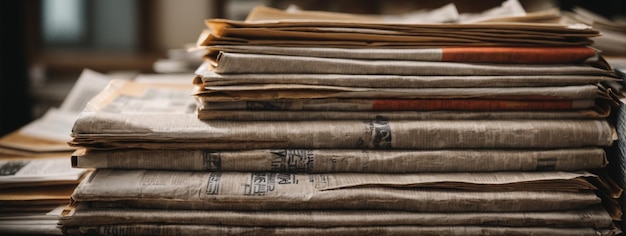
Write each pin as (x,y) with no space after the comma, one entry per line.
(529,55)
(469,104)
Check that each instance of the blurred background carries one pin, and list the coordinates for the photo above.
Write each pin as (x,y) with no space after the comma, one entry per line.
(45,44)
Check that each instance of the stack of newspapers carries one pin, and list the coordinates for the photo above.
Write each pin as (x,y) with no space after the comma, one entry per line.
(313,123)
(36,180)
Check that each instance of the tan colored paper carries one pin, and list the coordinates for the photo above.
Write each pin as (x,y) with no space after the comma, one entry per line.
(421,37)
(399,115)
(127,115)
(258,191)
(595,217)
(213,40)
(262,13)
(374,30)
(241,63)
(160,229)
(33,199)
(58,192)
(368,104)
(209,78)
(115,130)
(297,91)
(153,98)
(517,55)
(28,145)
(343,160)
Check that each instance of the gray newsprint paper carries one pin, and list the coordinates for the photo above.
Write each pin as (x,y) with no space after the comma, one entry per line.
(343,160)
(298,91)
(432,192)
(168,229)
(207,77)
(368,104)
(113,130)
(127,115)
(245,115)
(242,63)
(400,109)
(594,217)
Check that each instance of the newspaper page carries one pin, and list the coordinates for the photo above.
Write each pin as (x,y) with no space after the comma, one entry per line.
(100,129)
(300,26)
(41,198)
(445,14)
(265,190)
(127,97)
(343,160)
(262,15)
(239,63)
(113,130)
(88,85)
(51,132)
(135,114)
(168,229)
(331,104)
(515,55)
(374,35)
(206,77)
(52,170)
(594,217)
(243,115)
(298,91)
(311,33)
(437,42)
(23,222)
(613,39)
(37,227)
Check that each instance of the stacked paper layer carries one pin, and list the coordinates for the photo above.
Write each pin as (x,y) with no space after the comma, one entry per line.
(35,179)
(342,127)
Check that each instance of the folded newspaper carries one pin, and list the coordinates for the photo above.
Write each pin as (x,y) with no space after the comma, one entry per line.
(443,192)
(83,217)
(305,29)
(207,77)
(41,198)
(246,115)
(239,63)
(175,229)
(593,217)
(112,130)
(275,176)
(331,104)
(343,160)
(131,115)
(51,169)
(513,55)
(297,91)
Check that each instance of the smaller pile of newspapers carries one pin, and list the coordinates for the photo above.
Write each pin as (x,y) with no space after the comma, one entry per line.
(320,124)
(36,180)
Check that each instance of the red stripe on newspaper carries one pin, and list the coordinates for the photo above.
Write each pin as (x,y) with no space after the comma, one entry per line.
(528,55)
(469,104)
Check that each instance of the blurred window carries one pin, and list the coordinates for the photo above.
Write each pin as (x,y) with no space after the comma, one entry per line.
(92,25)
